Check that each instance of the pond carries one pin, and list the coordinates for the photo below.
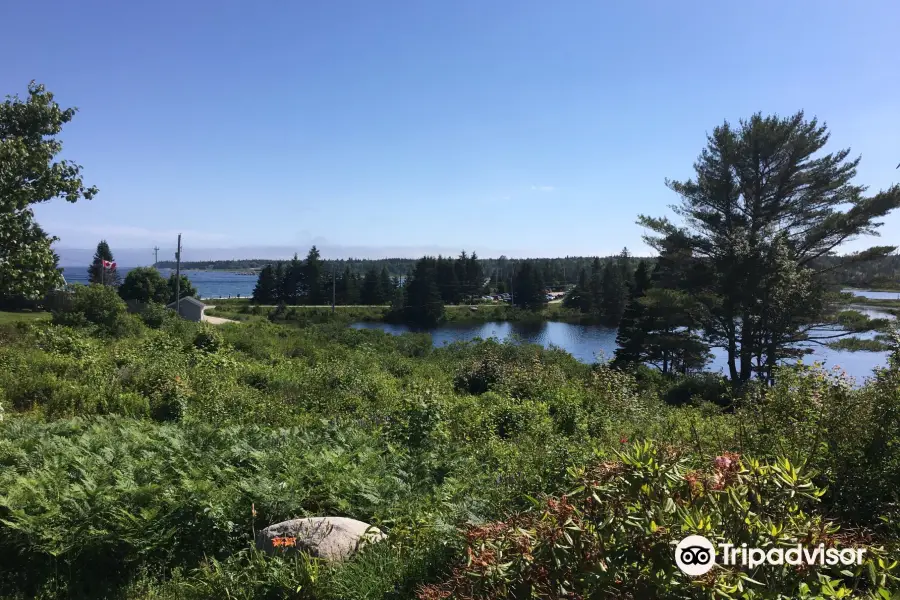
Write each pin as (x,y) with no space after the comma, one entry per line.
(875,295)
(594,343)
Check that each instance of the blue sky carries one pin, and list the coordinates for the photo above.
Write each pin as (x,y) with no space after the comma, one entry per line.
(529,128)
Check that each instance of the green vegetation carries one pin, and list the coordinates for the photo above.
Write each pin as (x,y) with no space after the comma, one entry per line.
(103,268)
(743,261)
(22,316)
(139,453)
(136,461)
(28,176)
(241,309)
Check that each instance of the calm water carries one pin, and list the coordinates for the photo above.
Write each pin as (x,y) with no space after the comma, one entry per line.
(593,343)
(875,295)
(209,284)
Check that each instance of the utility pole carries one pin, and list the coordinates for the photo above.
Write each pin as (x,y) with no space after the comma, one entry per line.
(333,287)
(155,255)
(178,277)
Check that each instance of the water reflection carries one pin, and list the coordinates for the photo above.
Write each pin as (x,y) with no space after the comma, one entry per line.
(594,343)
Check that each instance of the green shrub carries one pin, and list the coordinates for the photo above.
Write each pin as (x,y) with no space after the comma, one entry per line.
(93,304)
(707,387)
(612,535)
(208,339)
(155,315)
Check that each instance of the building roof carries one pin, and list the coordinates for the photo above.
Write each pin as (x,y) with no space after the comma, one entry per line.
(190,299)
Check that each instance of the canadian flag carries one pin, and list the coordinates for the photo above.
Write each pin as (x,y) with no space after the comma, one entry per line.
(107,264)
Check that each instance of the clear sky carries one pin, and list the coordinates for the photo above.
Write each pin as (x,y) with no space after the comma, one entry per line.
(523,127)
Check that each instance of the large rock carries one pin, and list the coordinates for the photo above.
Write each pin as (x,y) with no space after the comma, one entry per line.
(330,538)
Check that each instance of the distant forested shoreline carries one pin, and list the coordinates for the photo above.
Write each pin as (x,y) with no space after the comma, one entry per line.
(882,273)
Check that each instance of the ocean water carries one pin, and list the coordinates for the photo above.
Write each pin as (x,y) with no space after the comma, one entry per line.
(209,284)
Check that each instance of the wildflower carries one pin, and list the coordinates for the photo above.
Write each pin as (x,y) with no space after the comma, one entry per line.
(723,463)
(623,440)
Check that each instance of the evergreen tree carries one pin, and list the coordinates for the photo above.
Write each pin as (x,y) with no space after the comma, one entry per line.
(97,273)
(625,270)
(370,292)
(474,276)
(767,203)
(347,290)
(595,289)
(632,329)
(293,289)
(462,280)
(423,304)
(446,280)
(528,286)
(387,286)
(671,341)
(580,296)
(614,295)
(313,278)
(280,287)
(266,290)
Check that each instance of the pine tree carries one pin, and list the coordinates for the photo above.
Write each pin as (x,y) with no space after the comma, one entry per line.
(631,335)
(528,286)
(595,288)
(474,276)
(347,290)
(625,270)
(613,295)
(767,203)
(423,304)
(580,296)
(671,341)
(293,288)
(387,287)
(266,290)
(97,273)
(446,280)
(313,278)
(280,286)
(370,292)
(462,280)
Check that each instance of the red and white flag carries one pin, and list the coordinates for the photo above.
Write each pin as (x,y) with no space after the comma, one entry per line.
(109,264)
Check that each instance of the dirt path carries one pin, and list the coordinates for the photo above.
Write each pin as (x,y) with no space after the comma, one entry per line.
(214,320)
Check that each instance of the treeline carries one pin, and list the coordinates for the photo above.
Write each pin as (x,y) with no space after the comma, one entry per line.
(357,266)
(881,273)
(438,281)
(312,282)
(557,272)
(604,288)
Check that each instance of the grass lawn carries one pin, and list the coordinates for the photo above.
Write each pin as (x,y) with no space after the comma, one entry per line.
(23,316)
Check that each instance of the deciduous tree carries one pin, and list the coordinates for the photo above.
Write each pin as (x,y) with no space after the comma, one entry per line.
(29,174)
(145,284)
